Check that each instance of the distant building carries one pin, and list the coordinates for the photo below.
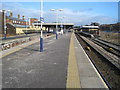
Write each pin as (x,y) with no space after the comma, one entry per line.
(52,26)
(32,20)
(18,25)
(14,25)
(90,29)
(16,21)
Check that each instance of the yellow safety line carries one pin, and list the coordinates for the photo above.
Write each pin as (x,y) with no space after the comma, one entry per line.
(73,80)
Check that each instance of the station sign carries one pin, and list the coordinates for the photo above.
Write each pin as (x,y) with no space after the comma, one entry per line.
(61,26)
(42,19)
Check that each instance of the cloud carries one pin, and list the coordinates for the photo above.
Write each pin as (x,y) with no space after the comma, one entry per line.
(85,17)
(80,17)
(18,8)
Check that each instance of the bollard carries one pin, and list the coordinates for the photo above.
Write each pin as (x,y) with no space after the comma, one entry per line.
(56,35)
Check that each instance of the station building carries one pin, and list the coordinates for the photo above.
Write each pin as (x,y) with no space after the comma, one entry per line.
(18,25)
(90,29)
(13,25)
(51,27)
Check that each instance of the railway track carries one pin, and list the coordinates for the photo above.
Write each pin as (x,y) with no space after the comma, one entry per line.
(107,68)
(108,47)
(109,51)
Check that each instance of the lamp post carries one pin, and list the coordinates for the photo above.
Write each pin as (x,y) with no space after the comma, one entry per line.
(26,26)
(37,27)
(29,22)
(56,20)
(61,22)
(64,23)
(61,25)
(4,16)
(56,23)
(41,36)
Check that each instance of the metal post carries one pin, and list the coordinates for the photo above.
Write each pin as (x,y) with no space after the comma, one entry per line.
(64,25)
(56,24)
(41,36)
(56,20)
(26,26)
(37,28)
(4,15)
(29,22)
(61,21)
(61,25)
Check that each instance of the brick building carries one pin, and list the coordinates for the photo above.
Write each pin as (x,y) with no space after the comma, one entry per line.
(13,24)
(32,20)
(17,21)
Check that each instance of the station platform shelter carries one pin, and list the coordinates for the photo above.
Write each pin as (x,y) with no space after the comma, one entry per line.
(51,27)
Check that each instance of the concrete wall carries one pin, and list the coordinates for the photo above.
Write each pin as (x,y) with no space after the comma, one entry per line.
(13,43)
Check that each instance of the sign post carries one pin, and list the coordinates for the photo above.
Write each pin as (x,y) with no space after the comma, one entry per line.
(41,20)
(5,27)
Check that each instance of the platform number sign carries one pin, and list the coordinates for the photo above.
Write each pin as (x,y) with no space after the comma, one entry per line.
(41,19)
(61,26)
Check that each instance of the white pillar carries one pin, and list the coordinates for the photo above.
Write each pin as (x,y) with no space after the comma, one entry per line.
(41,17)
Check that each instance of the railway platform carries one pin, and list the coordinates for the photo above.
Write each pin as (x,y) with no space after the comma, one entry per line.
(62,64)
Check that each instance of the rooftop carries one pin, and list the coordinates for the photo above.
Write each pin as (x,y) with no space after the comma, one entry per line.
(14,18)
(54,23)
(90,26)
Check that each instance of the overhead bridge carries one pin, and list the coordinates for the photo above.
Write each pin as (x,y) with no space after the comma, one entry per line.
(53,25)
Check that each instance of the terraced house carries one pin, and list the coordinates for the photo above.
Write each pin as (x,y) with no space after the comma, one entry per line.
(13,25)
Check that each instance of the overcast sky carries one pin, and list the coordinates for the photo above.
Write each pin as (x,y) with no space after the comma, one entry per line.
(80,13)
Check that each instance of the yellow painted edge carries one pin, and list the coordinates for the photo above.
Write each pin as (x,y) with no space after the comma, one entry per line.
(73,80)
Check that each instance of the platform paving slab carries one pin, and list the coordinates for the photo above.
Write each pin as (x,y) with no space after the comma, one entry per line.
(29,68)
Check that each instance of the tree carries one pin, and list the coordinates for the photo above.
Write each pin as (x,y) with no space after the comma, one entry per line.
(95,24)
